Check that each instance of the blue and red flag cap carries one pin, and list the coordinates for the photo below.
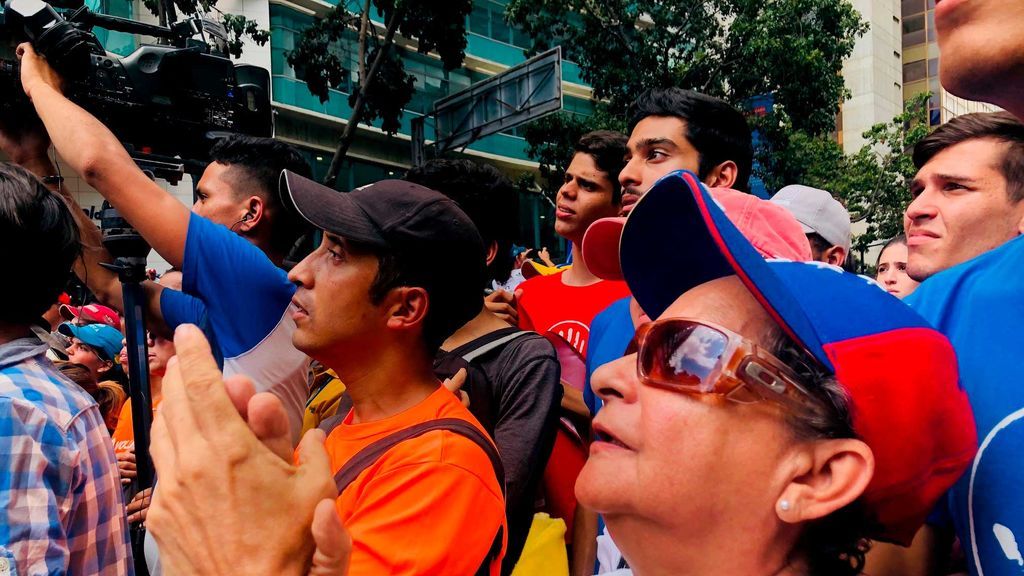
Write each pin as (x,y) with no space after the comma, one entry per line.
(900,373)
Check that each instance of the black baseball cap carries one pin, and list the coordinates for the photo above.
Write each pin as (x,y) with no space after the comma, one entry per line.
(418,225)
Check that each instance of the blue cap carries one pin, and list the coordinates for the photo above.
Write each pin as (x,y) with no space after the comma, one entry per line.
(105,339)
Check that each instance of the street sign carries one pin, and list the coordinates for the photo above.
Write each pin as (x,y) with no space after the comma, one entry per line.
(518,95)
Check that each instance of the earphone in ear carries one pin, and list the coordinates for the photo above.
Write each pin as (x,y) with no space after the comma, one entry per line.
(248,216)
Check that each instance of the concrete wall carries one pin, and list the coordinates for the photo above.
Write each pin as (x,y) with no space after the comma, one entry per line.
(873,73)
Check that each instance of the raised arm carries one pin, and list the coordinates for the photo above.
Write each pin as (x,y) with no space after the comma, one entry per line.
(97,155)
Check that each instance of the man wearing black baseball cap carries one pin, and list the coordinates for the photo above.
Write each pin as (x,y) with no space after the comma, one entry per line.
(374,306)
(414,469)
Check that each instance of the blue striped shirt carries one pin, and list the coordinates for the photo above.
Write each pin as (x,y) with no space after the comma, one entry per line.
(60,497)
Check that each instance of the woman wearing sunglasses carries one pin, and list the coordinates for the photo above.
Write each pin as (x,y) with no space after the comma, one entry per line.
(775,418)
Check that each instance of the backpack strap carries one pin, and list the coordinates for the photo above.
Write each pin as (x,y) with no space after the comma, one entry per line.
(372,452)
(492,345)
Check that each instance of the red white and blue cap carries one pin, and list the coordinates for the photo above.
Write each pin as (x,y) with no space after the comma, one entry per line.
(900,373)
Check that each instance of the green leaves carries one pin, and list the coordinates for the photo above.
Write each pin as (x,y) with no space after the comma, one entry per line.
(792,50)
(328,53)
(238,27)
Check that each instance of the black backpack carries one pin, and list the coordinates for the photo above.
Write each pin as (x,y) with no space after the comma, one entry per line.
(478,385)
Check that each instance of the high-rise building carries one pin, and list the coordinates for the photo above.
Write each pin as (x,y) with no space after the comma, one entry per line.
(897,59)
(921,65)
(872,74)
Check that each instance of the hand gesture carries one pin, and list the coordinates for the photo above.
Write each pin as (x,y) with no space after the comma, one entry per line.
(221,488)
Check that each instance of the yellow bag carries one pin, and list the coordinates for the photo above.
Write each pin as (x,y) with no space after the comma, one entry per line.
(544,552)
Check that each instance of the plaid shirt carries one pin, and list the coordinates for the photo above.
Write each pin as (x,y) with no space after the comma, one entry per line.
(61,510)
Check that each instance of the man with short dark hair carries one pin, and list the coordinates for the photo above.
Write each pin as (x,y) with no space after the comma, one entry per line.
(825,221)
(512,375)
(963,240)
(561,307)
(60,496)
(673,129)
(967,192)
(239,189)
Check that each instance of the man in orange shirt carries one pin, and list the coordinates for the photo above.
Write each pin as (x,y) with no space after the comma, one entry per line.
(374,306)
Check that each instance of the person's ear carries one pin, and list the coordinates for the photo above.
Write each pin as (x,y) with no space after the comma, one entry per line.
(723,176)
(492,252)
(106,367)
(406,307)
(836,256)
(255,209)
(826,475)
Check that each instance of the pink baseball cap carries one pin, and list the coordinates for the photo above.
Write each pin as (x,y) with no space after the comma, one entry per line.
(771,230)
(92,314)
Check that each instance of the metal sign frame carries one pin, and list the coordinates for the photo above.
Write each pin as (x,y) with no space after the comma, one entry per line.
(518,95)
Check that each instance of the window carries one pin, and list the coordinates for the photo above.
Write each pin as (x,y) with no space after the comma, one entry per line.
(933,67)
(911,7)
(480,21)
(488,19)
(913,30)
(913,71)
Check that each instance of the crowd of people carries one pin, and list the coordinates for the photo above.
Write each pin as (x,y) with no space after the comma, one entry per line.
(702,390)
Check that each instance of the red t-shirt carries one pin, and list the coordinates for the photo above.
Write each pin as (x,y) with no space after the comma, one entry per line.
(563,314)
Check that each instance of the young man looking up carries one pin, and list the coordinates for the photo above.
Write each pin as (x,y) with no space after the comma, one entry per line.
(373,305)
(963,241)
(670,129)
(560,306)
(513,385)
(61,502)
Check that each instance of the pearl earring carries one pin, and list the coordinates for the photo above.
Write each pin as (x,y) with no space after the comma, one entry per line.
(784,505)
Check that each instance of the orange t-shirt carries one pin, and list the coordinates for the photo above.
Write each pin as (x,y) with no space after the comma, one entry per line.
(124,434)
(429,505)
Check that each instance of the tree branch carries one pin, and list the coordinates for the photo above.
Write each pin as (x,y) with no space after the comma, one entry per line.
(364,86)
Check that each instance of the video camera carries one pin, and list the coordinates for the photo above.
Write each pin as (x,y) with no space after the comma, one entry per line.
(164,100)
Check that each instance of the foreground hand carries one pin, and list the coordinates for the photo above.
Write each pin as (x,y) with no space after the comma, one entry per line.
(36,71)
(226,503)
(503,305)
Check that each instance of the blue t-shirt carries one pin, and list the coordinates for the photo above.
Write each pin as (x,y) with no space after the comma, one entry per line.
(610,334)
(232,290)
(979,306)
